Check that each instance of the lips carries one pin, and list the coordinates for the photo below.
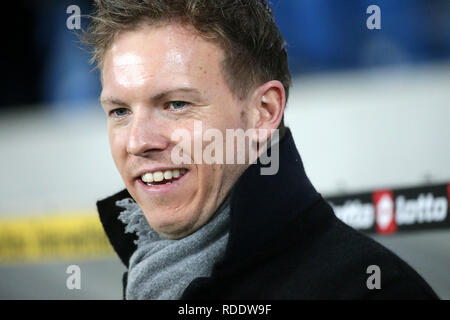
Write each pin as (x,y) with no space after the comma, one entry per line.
(161,177)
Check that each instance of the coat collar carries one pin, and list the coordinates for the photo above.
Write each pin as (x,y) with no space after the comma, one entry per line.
(262,206)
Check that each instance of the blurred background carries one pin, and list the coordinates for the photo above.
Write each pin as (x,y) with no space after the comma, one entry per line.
(369,110)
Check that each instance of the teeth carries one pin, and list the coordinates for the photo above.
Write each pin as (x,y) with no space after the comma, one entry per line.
(168,174)
(159,176)
(148,177)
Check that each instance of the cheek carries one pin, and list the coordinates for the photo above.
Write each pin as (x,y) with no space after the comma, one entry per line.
(117,145)
(210,183)
(236,117)
(215,175)
(230,119)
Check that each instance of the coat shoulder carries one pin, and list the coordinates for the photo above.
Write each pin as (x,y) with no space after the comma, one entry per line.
(327,259)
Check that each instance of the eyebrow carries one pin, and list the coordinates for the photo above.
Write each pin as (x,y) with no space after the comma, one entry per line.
(112,101)
(156,98)
(163,95)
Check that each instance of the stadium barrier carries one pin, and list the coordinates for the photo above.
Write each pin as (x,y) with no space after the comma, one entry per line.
(391,210)
(80,235)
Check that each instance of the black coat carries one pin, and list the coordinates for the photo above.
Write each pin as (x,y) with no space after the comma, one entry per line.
(286,243)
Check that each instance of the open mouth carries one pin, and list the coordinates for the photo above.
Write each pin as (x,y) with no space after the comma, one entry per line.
(158,178)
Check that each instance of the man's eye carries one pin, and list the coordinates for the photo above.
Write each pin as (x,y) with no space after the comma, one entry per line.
(120,112)
(176,105)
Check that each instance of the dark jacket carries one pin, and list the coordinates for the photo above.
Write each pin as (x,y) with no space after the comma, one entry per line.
(286,243)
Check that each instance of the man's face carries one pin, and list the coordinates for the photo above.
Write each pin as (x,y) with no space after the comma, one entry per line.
(157,80)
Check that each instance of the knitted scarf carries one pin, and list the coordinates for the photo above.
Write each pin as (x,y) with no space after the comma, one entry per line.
(162,268)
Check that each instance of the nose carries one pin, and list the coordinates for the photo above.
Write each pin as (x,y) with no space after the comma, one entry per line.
(146,135)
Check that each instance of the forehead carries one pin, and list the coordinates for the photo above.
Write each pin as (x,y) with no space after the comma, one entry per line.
(161,56)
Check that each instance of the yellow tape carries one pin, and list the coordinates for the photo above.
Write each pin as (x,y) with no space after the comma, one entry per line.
(61,236)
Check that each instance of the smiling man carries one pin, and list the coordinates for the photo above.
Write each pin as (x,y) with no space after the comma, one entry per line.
(156,80)
(198,229)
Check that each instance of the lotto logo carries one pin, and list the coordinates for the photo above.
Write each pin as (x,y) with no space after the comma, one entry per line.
(383,201)
(390,210)
(426,208)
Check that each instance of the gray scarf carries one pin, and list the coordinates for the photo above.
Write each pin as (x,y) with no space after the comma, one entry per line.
(161,268)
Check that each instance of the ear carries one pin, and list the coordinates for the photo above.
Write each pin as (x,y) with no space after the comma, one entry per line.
(268,108)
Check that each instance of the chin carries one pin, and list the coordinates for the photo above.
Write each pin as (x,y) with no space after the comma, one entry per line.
(170,225)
